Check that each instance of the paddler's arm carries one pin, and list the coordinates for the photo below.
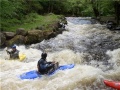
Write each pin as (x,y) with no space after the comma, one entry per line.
(8,52)
(38,67)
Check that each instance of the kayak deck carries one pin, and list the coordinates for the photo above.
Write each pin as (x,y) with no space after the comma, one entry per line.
(112,84)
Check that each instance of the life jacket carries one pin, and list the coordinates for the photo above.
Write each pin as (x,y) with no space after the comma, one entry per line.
(42,64)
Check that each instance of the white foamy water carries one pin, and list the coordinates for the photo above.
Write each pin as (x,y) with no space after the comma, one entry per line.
(72,46)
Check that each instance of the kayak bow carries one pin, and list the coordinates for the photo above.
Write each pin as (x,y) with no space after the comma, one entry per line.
(113,84)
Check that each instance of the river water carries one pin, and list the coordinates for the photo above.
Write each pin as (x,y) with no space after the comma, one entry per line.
(93,49)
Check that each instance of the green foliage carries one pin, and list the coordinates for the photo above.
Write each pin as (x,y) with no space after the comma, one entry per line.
(34,20)
(7,9)
(16,12)
(106,8)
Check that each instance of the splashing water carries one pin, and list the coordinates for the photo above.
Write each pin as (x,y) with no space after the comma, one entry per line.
(93,49)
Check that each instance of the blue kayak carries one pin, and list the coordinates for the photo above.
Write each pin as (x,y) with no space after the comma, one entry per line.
(34,74)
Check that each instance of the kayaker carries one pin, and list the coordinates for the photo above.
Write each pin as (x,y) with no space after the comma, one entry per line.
(45,67)
(14,54)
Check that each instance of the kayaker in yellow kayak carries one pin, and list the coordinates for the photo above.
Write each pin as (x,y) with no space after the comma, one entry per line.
(14,54)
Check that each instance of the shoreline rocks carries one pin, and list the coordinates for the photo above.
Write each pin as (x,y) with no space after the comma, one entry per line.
(23,37)
(111,22)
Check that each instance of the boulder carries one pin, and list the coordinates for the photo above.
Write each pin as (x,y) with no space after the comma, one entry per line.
(111,25)
(2,39)
(52,35)
(34,36)
(21,31)
(40,27)
(117,28)
(48,34)
(9,35)
(107,18)
(18,39)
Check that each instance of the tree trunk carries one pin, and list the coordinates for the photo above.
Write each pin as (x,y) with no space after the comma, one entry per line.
(117,11)
(51,8)
(48,6)
(95,7)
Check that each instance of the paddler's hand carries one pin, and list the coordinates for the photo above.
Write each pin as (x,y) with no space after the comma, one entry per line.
(7,51)
(53,62)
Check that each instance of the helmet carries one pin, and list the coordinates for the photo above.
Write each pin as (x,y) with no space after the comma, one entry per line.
(44,55)
(13,46)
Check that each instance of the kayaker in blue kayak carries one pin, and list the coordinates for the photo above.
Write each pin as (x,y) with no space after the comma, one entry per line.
(45,67)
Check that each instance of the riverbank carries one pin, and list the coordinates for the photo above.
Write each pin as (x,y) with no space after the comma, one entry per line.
(33,30)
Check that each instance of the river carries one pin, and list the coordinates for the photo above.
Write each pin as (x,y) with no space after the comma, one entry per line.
(93,49)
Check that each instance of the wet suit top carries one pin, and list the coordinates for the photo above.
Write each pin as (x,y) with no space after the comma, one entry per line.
(14,54)
(44,66)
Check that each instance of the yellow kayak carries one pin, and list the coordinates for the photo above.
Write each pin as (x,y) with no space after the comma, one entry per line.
(22,56)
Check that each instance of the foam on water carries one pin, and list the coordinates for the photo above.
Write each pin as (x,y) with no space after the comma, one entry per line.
(71,46)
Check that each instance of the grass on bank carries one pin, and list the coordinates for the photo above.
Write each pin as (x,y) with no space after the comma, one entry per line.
(31,22)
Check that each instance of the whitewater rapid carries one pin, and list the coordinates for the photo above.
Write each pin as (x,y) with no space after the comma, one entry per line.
(93,49)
